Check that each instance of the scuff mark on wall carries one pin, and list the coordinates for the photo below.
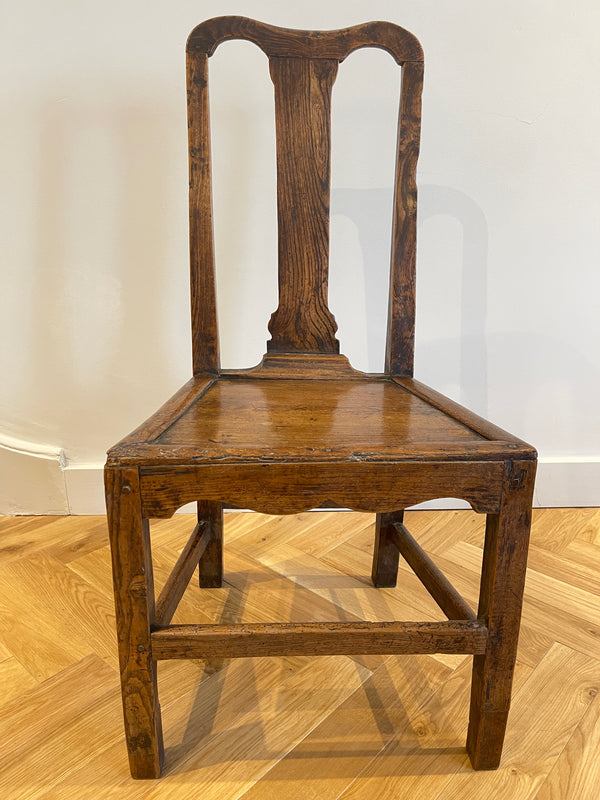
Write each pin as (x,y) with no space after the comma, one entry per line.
(32,478)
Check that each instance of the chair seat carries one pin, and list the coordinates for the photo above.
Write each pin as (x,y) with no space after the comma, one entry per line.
(242,419)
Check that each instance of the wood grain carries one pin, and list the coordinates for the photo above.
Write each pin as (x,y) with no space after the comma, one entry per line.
(544,719)
(135,611)
(550,609)
(343,581)
(25,536)
(210,564)
(177,405)
(438,586)
(303,322)
(269,730)
(44,644)
(253,419)
(386,554)
(378,487)
(275,41)
(421,757)
(500,600)
(318,639)
(303,66)
(304,429)
(205,335)
(35,726)
(471,420)
(202,708)
(400,733)
(400,343)
(14,678)
(178,580)
(348,739)
(576,773)
(64,602)
(298,366)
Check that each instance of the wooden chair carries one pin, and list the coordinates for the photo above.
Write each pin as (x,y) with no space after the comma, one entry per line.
(305,429)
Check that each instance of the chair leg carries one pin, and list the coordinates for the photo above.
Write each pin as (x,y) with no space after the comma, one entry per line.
(134,607)
(210,566)
(385,555)
(500,601)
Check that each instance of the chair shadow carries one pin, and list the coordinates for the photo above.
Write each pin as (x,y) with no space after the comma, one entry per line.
(392,724)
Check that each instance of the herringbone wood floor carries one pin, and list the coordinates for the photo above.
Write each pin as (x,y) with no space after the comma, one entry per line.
(330,727)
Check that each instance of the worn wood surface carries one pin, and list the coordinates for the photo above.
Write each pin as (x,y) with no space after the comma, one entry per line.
(471,420)
(311,419)
(155,455)
(371,487)
(303,67)
(241,418)
(384,571)
(304,429)
(286,42)
(210,564)
(205,334)
(318,639)
(135,612)
(500,599)
(177,405)
(177,582)
(303,322)
(299,366)
(436,583)
(400,344)
(398,730)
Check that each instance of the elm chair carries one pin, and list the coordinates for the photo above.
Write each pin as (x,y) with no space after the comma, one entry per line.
(304,429)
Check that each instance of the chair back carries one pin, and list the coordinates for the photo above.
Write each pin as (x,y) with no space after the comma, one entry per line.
(303,67)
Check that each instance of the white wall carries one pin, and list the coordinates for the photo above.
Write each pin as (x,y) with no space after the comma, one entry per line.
(94,303)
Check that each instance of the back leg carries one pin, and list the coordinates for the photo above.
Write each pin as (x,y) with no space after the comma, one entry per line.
(210,566)
(386,554)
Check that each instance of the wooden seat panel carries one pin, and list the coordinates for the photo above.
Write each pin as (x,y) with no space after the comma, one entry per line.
(284,419)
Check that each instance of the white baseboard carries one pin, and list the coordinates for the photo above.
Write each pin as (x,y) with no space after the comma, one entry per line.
(567,482)
(85,489)
(37,482)
(31,478)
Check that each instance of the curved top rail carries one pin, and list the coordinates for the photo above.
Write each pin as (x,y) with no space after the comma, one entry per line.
(287,42)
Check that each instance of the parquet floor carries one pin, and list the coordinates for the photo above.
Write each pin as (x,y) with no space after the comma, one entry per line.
(325,728)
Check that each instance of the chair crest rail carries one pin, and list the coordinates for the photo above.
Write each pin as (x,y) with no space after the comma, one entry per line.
(276,41)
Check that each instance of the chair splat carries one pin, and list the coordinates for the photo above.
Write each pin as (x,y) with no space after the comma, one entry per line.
(303,322)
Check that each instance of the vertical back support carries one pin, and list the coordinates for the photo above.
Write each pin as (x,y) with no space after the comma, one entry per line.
(303,125)
(205,333)
(303,67)
(400,346)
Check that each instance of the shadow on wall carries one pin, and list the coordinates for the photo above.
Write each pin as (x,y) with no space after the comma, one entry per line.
(369,210)
(107,309)
(244,202)
(530,375)
(104,289)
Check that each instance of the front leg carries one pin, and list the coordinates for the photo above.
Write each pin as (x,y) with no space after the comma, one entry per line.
(500,601)
(134,607)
